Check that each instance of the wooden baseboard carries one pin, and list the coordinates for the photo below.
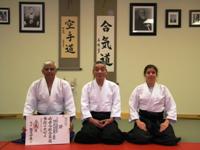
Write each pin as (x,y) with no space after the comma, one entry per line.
(189,116)
(10,116)
(123,116)
(179,116)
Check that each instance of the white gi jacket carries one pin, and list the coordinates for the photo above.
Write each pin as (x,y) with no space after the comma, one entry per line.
(157,100)
(100,99)
(60,100)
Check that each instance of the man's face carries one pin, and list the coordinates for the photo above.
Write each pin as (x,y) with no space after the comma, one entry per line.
(49,71)
(141,13)
(100,71)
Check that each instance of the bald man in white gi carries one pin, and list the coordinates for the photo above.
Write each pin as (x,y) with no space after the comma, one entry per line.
(100,106)
(49,95)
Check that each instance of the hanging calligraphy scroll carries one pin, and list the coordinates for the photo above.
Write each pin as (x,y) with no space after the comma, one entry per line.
(105,35)
(105,41)
(69,43)
(69,37)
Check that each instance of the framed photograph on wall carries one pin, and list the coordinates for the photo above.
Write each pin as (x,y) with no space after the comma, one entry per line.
(31,17)
(173,18)
(143,18)
(4,15)
(194,18)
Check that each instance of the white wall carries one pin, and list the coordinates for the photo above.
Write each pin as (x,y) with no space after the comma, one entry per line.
(175,52)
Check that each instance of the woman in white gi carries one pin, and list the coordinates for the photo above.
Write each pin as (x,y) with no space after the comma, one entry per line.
(100,106)
(49,96)
(152,109)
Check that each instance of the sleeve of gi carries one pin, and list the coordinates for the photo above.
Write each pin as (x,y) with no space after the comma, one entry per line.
(85,103)
(31,100)
(116,105)
(68,99)
(133,105)
(170,106)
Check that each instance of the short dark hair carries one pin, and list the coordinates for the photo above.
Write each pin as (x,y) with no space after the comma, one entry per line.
(150,66)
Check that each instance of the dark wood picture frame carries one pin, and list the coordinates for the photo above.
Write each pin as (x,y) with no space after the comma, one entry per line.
(173,18)
(32,17)
(143,19)
(194,18)
(4,15)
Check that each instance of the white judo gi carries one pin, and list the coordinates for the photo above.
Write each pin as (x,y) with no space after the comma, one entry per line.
(100,99)
(158,99)
(39,99)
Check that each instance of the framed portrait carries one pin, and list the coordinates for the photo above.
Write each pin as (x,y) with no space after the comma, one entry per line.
(194,18)
(173,18)
(32,17)
(143,18)
(4,16)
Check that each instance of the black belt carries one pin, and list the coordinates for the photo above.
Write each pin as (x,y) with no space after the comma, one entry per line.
(100,115)
(151,115)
